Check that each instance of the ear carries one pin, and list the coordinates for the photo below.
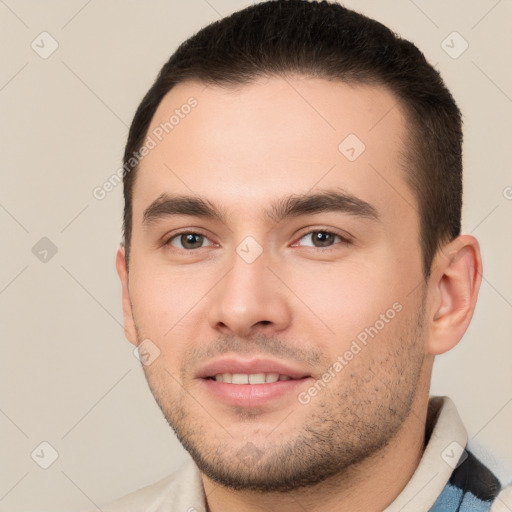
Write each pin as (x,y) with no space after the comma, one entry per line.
(453,290)
(129,325)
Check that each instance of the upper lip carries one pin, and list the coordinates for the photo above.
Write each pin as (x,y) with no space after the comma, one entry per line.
(232,365)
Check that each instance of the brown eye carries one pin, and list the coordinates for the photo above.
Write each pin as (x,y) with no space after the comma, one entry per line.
(321,239)
(187,241)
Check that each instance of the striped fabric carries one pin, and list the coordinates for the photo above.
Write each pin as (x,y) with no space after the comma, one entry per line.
(471,488)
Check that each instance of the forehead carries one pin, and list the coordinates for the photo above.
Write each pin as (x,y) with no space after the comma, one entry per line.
(238,146)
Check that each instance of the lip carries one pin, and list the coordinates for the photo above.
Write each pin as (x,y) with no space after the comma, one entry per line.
(252,395)
(232,365)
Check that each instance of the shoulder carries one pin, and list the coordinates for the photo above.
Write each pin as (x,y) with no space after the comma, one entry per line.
(472,487)
(182,490)
(503,502)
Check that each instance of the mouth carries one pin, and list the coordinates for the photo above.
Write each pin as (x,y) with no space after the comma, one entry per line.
(234,370)
(253,383)
(250,378)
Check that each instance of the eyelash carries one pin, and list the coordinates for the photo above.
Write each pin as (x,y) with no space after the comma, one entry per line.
(343,239)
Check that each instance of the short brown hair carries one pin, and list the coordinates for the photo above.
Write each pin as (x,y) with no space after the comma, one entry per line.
(326,40)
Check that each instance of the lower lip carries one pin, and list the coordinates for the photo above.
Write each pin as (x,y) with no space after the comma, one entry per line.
(253,395)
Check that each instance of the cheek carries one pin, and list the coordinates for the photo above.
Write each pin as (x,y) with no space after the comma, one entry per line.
(343,300)
(163,309)
(164,299)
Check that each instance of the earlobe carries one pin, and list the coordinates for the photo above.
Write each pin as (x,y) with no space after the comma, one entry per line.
(129,325)
(453,290)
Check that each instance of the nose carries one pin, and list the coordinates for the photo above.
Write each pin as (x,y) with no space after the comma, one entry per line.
(249,298)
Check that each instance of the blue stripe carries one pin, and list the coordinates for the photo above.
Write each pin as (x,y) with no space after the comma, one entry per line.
(450,501)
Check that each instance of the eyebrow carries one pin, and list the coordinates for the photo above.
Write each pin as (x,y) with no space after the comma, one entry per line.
(167,205)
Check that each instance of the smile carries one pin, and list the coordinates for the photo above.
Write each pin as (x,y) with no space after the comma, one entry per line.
(249,378)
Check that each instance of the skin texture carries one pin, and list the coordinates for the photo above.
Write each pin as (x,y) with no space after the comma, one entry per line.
(358,440)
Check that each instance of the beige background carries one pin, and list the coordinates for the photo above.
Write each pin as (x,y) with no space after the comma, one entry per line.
(68,375)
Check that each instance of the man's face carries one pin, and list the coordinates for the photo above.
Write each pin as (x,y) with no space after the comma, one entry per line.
(325,294)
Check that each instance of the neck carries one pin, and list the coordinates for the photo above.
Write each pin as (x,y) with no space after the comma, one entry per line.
(371,485)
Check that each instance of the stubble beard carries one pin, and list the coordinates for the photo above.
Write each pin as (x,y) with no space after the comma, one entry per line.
(354,417)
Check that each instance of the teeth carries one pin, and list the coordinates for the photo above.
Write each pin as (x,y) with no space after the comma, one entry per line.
(252,378)
(239,378)
(256,378)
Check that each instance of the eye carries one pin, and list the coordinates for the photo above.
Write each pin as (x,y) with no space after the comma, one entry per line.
(187,240)
(190,240)
(322,238)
